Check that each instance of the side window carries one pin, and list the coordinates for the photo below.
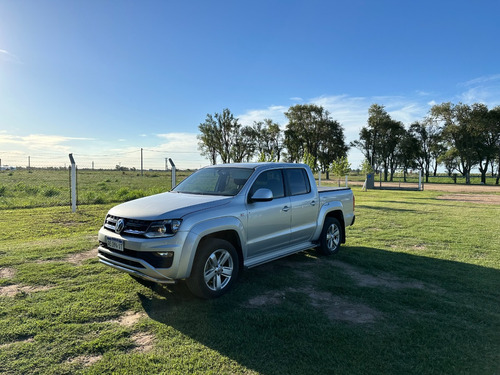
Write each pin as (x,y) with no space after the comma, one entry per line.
(297,181)
(272,180)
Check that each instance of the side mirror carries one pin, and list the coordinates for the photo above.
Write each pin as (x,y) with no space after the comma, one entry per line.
(262,195)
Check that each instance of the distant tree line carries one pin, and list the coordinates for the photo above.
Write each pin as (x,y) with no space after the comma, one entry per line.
(311,136)
(460,137)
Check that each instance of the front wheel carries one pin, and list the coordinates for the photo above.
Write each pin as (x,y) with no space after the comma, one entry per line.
(215,269)
(331,237)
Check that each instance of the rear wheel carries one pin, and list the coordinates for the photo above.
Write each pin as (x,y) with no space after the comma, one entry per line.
(331,237)
(215,269)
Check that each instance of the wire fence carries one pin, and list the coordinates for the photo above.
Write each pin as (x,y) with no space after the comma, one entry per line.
(41,187)
(24,187)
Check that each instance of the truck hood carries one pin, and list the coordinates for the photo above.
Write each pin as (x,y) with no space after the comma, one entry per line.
(167,206)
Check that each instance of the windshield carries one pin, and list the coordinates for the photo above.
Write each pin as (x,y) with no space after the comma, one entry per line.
(215,181)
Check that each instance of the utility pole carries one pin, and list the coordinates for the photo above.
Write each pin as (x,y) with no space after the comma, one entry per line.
(29,162)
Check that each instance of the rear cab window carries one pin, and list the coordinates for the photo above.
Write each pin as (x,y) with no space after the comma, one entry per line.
(297,181)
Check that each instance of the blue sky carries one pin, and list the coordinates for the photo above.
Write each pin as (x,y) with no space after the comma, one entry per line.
(103,79)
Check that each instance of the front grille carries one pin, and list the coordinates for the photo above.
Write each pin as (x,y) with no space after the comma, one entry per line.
(132,227)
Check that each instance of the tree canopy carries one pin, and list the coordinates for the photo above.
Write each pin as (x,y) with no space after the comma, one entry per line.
(460,137)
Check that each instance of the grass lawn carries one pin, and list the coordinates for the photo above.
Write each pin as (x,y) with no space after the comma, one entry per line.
(413,291)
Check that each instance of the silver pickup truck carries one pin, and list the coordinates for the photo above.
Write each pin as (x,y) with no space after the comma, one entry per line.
(222,219)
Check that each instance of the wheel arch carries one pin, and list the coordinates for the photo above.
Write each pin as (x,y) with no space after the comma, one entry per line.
(226,228)
(229,235)
(335,212)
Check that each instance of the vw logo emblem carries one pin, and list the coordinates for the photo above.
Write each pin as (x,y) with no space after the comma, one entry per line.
(120,224)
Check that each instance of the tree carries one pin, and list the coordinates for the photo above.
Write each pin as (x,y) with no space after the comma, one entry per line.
(494,118)
(379,141)
(429,146)
(331,146)
(209,143)
(223,136)
(409,148)
(486,126)
(268,140)
(311,130)
(460,132)
(340,166)
(366,167)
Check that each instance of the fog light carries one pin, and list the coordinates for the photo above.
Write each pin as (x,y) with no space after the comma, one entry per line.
(167,254)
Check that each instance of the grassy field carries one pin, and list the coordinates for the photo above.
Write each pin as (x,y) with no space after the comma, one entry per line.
(51,187)
(414,291)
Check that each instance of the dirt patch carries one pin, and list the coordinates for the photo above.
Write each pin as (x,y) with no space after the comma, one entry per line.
(143,341)
(79,258)
(334,307)
(7,273)
(451,188)
(384,280)
(338,308)
(85,360)
(129,318)
(268,299)
(28,340)
(476,198)
(13,290)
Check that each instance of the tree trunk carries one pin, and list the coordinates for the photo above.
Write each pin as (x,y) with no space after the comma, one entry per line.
(483,170)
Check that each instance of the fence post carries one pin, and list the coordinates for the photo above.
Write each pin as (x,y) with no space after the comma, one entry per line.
(73,183)
(173,172)
(346,182)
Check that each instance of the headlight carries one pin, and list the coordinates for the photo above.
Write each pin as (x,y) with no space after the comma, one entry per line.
(164,228)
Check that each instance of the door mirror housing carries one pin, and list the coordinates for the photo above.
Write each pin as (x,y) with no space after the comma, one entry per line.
(262,195)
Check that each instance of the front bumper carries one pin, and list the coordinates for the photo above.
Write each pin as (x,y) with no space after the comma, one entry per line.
(141,257)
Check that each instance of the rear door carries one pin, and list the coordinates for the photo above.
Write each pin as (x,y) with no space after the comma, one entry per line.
(304,205)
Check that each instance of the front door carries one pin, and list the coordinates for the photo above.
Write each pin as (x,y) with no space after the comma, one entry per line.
(268,222)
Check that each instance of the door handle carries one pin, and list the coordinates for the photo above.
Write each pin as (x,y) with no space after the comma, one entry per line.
(285,209)
(313,203)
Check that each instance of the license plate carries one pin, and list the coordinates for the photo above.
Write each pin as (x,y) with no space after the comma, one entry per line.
(114,243)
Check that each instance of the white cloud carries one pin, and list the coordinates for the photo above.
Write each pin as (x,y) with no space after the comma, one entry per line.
(482,79)
(275,113)
(485,89)
(41,149)
(40,142)
(179,142)
(7,56)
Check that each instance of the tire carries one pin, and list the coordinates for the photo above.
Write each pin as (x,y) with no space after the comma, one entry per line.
(215,269)
(331,237)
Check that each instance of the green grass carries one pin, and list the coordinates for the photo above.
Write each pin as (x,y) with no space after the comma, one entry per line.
(413,291)
(51,187)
